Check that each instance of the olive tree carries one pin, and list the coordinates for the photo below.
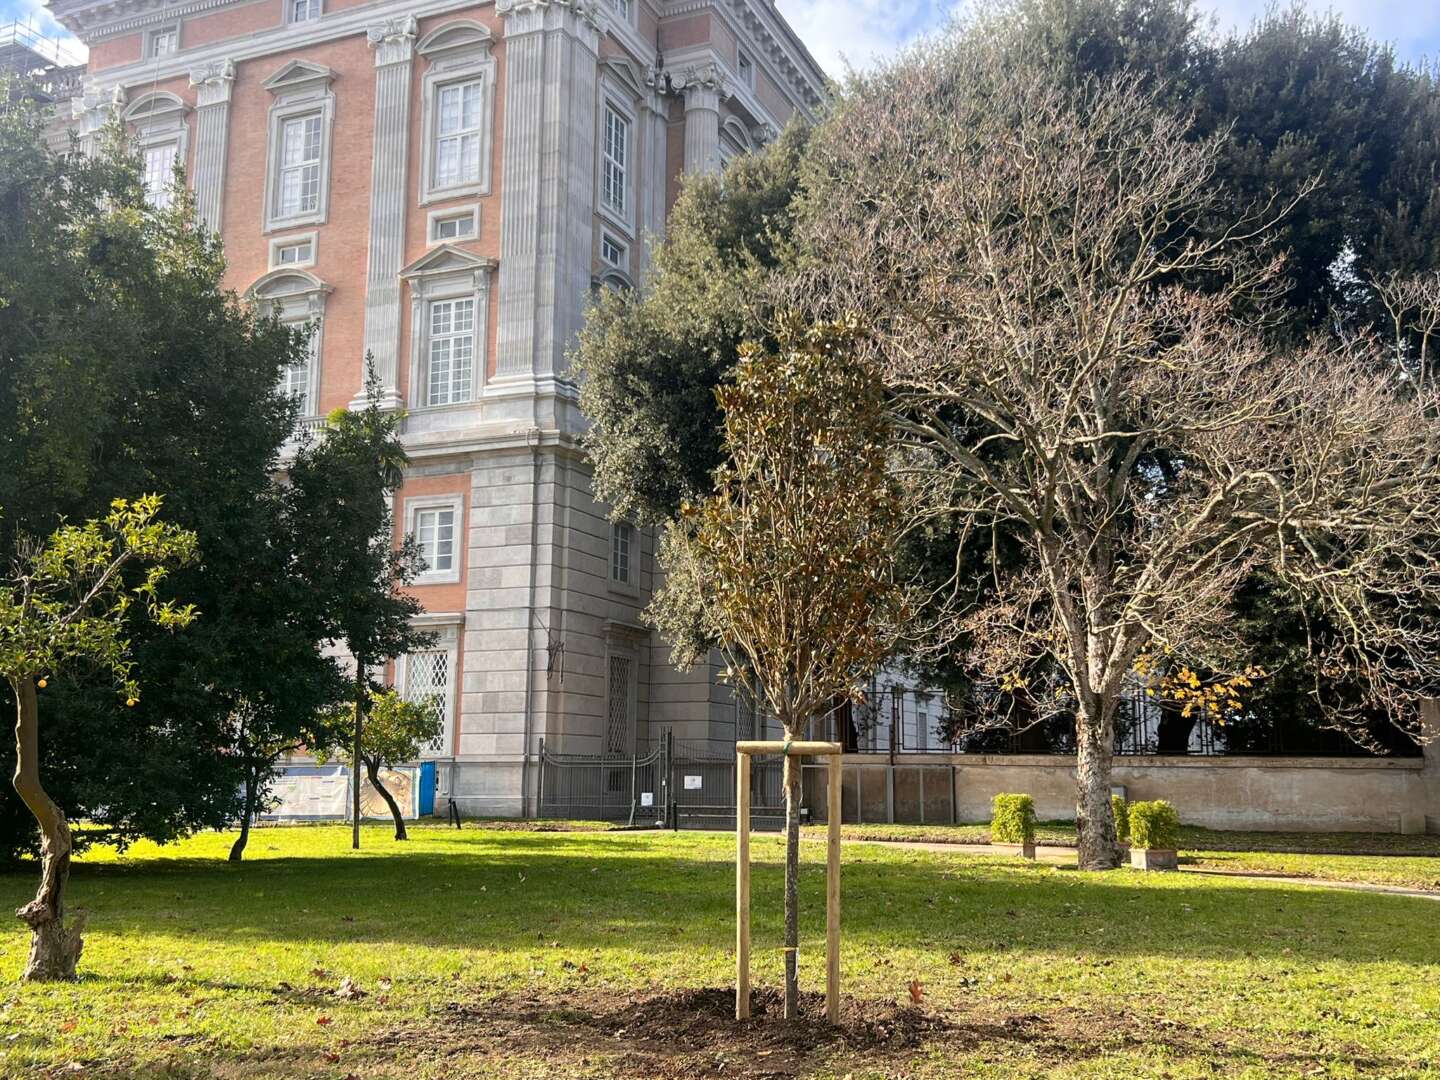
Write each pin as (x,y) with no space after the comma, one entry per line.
(1087,370)
(787,562)
(65,601)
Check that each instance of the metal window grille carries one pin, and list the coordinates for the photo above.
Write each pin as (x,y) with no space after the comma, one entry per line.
(619,729)
(427,675)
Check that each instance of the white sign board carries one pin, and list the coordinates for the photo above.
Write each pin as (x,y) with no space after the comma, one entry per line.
(647,798)
(692,783)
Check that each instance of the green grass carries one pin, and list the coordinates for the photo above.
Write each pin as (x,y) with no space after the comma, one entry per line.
(502,951)
(1411,862)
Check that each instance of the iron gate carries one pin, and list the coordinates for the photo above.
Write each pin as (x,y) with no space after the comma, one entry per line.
(603,787)
(702,788)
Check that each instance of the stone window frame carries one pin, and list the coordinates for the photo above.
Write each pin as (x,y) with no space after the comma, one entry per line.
(612,98)
(448,213)
(468,276)
(277,242)
(296,296)
(457,51)
(159,118)
(300,89)
(630,587)
(447,640)
(454,503)
(291,20)
(153,36)
(623,262)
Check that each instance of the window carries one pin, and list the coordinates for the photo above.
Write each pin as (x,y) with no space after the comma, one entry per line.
(620,728)
(616,151)
(295,380)
(300,166)
(745,68)
(452,226)
(163,42)
(304,10)
(158,173)
(622,8)
(435,537)
(427,677)
(451,351)
(622,539)
(922,726)
(458,134)
(612,251)
(292,254)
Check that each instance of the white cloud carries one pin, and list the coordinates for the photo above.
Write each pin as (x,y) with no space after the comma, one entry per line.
(36,14)
(859,32)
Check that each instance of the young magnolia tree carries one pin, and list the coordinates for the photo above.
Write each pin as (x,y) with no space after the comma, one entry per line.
(787,564)
(1088,373)
(395,731)
(68,600)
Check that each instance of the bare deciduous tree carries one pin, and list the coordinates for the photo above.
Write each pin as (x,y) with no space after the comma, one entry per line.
(787,565)
(1082,372)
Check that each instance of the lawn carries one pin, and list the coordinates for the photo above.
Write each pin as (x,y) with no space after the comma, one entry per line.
(489,953)
(1411,862)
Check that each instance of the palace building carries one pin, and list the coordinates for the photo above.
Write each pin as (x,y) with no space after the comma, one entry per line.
(441,185)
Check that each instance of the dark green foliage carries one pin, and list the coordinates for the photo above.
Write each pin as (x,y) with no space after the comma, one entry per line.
(1012,819)
(1154,825)
(1121,809)
(650,359)
(126,367)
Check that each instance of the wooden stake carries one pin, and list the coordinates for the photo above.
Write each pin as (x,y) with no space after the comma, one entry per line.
(832,891)
(742,886)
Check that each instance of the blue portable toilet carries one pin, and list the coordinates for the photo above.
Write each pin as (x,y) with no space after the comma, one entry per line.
(427,788)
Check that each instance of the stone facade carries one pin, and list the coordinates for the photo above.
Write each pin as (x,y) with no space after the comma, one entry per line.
(440,185)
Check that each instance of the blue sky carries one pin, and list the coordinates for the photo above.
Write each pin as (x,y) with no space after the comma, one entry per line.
(858,31)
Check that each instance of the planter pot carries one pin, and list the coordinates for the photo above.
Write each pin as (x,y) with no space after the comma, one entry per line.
(1154,859)
(1025,851)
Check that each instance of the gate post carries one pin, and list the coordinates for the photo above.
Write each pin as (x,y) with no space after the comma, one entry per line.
(540,786)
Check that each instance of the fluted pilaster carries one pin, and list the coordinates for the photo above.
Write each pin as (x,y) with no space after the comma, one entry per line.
(213,84)
(394,43)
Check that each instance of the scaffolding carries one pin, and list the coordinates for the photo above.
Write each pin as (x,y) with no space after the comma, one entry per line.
(53,67)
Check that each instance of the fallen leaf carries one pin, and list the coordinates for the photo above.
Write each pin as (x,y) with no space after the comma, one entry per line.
(319,973)
(917,992)
(384,985)
(324,1021)
(67,1027)
(349,991)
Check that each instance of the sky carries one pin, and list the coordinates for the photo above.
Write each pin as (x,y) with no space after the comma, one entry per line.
(857,32)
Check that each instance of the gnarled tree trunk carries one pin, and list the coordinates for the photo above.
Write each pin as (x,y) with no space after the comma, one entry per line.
(792,885)
(1094,753)
(372,770)
(54,947)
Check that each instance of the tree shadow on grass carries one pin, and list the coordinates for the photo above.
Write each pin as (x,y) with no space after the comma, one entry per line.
(506,892)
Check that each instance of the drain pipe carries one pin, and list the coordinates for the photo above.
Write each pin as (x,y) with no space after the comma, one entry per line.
(532,438)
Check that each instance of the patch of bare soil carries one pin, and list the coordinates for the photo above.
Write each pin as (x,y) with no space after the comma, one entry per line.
(689,1033)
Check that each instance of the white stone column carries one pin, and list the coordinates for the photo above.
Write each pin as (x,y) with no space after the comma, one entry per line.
(394,43)
(704,88)
(548,156)
(213,84)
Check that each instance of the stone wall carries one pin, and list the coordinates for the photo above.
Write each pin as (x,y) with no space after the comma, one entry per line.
(1282,794)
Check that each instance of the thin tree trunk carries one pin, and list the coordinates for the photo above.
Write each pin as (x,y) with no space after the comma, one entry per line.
(54,947)
(1095,751)
(252,781)
(361,694)
(372,770)
(792,885)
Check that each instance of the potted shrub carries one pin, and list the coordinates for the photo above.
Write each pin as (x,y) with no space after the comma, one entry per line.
(1120,810)
(1012,824)
(1154,836)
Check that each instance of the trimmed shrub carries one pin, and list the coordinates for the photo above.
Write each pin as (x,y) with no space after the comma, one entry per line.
(1120,809)
(1012,819)
(1154,825)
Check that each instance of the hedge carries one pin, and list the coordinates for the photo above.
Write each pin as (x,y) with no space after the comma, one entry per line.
(1154,825)
(1012,819)
(1120,809)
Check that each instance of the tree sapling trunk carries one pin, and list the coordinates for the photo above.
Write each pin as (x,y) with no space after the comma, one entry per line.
(792,886)
(1094,817)
(252,781)
(372,770)
(54,947)
(362,694)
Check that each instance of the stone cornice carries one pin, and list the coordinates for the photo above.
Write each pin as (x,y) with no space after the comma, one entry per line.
(764,32)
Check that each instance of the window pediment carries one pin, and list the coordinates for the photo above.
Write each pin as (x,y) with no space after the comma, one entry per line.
(462,38)
(299,76)
(290,293)
(155,106)
(447,260)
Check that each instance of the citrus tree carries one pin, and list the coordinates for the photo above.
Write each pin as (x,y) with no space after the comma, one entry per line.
(69,600)
(395,731)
